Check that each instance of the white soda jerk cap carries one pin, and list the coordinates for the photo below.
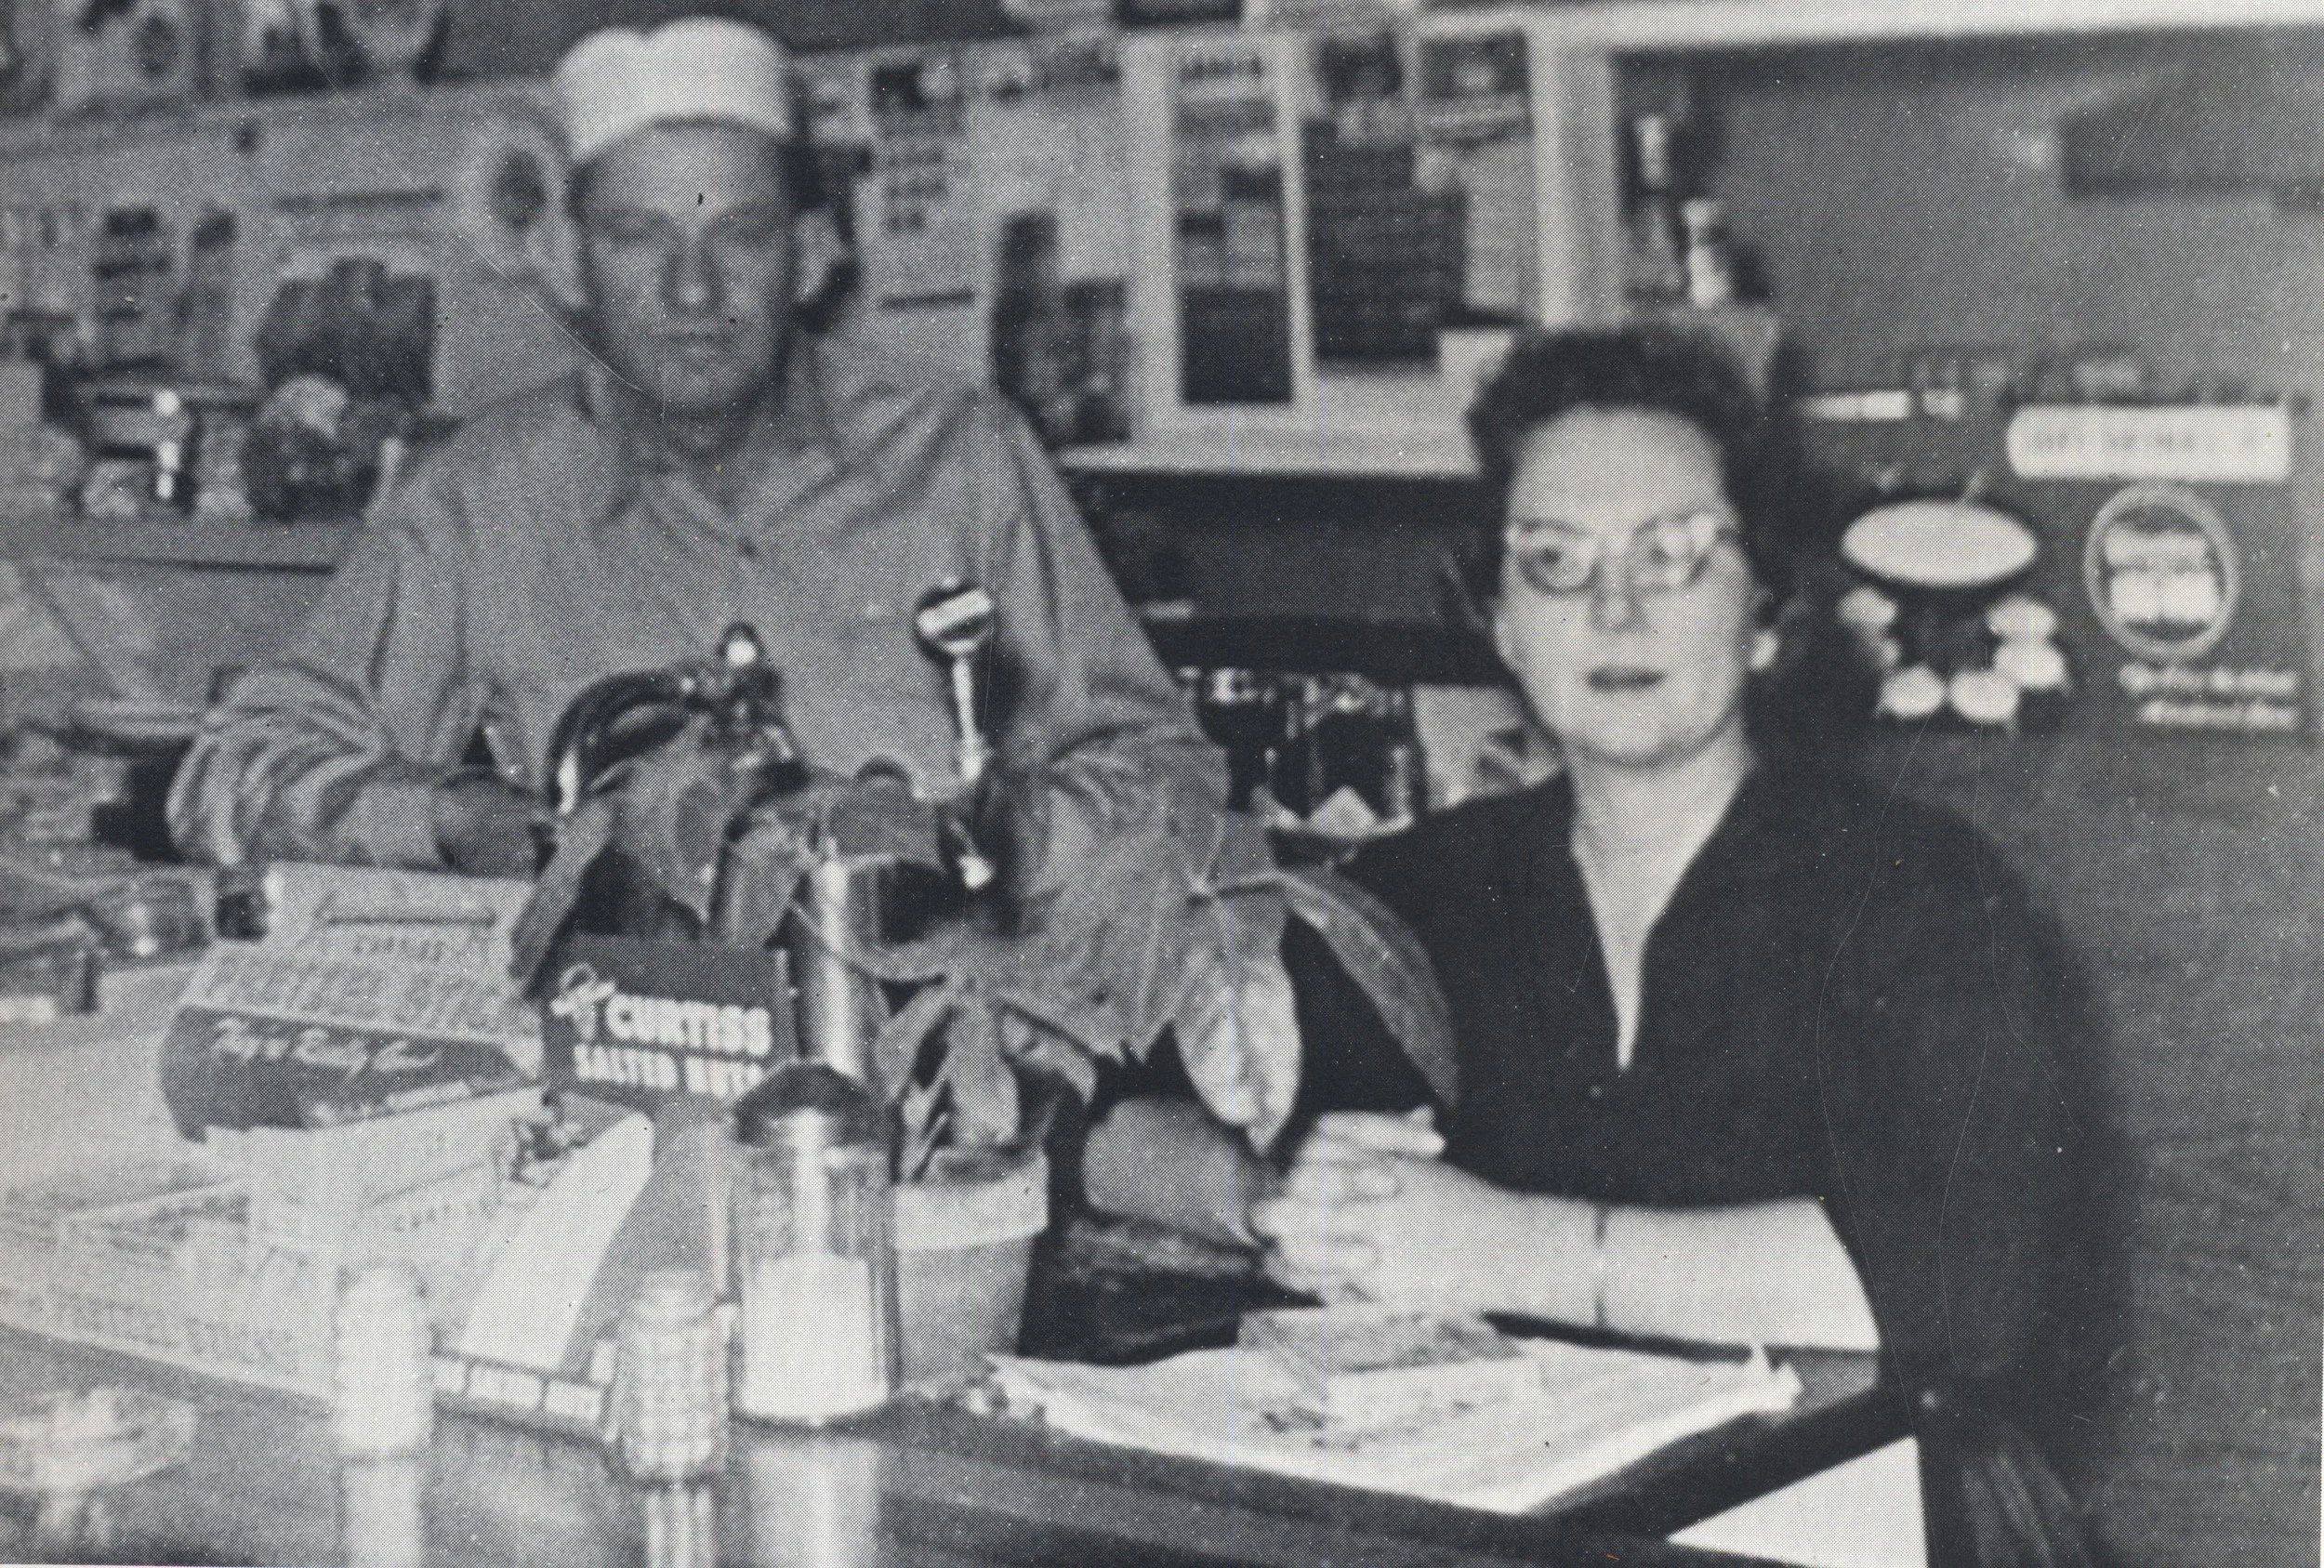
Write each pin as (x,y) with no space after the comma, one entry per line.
(621,80)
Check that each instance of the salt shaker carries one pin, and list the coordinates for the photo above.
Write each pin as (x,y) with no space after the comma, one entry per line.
(681,1525)
(814,1249)
(383,1523)
(385,1387)
(669,1380)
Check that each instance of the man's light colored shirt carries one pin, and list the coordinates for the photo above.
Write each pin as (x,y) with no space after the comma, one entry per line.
(545,548)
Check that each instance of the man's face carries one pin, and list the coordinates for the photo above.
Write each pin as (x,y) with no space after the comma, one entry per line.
(689,256)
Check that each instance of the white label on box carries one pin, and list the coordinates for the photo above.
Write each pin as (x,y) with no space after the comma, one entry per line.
(2219,445)
(1884,405)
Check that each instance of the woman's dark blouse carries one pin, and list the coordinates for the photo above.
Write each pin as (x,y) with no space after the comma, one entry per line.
(1848,998)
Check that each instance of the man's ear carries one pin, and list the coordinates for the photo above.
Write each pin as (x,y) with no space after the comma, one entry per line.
(820,260)
(1498,624)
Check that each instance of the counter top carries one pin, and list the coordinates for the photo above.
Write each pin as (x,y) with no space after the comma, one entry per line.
(919,1485)
(922,1484)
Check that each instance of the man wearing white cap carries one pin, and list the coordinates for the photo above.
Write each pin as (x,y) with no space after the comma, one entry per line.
(712,462)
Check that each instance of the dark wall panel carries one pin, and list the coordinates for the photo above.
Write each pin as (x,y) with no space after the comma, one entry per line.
(1918,199)
(519,37)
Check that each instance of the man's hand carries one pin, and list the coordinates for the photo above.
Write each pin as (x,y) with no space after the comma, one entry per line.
(484,826)
(1368,1212)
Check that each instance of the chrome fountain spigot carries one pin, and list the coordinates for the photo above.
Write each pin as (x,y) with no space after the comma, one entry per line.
(956,622)
(622,716)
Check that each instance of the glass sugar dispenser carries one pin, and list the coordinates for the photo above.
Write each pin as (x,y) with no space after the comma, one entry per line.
(814,1249)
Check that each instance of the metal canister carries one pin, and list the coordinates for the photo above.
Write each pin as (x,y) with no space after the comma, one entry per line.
(840,1008)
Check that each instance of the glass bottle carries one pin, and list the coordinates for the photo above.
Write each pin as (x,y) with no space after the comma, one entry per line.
(172,451)
(1346,744)
(1406,786)
(1656,243)
(1242,713)
(814,1250)
(1709,258)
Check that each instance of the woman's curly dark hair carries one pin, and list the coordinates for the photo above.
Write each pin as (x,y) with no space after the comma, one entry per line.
(1783,509)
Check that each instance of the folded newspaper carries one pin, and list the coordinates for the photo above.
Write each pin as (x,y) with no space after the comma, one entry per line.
(1586,1414)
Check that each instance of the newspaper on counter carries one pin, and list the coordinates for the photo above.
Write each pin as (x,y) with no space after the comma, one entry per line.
(1586,1412)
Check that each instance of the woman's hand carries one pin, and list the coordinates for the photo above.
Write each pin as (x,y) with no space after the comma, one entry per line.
(1368,1212)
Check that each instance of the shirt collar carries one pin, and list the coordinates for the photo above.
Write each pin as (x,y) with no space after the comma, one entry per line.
(1764,831)
(803,420)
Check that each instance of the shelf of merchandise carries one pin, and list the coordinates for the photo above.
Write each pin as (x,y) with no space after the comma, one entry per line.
(1387,431)
(305,546)
(1424,451)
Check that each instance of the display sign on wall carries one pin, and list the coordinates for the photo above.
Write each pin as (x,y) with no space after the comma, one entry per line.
(1316,214)
(1476,138)
(2162,552)
(2187,560)
(922,211)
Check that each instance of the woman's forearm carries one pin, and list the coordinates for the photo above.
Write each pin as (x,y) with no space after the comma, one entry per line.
(1172,1162)
(1773,1272)
(1754,1274)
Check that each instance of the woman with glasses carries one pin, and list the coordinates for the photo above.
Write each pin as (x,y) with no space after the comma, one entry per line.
(1749,1049)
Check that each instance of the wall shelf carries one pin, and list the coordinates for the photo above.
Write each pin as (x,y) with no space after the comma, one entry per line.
(1621,25)
(42,134)
(1320,451)
(306,547)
